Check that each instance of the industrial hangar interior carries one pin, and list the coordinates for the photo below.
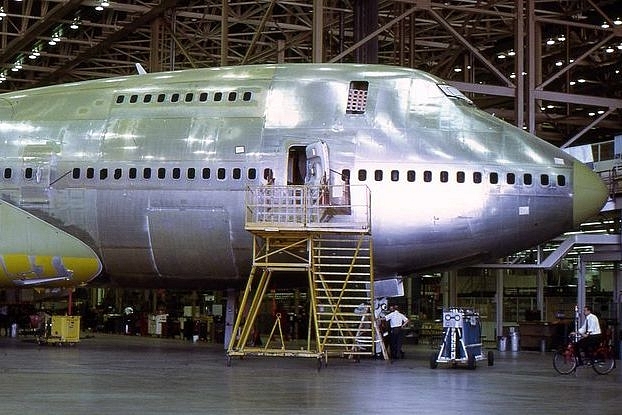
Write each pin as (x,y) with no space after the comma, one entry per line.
(549,67)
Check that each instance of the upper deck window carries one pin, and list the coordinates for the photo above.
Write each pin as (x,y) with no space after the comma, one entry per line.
(357,97)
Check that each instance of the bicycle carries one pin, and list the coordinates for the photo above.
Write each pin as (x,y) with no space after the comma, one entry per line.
(565,360)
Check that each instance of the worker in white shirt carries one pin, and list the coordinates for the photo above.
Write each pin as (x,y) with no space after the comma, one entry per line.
(590,334)
(397,321)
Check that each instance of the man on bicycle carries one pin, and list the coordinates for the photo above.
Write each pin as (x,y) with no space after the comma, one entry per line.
(590,334)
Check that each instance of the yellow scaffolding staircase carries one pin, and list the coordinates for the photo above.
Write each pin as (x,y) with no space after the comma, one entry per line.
(297,229)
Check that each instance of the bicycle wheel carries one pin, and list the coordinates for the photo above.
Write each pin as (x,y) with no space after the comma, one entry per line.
(604,363)
(564,362)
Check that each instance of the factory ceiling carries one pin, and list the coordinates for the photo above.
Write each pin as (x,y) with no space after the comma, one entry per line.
(551,66)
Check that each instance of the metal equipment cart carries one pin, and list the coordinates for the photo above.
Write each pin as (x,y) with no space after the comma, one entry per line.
(60,330)
(461,341)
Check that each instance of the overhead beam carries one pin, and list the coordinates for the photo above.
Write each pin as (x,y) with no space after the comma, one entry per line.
(24,42)
(117,36)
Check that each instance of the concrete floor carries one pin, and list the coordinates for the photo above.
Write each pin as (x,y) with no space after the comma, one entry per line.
(111,374)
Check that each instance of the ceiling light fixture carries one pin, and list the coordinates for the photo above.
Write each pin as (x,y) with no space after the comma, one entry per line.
(101,5)
(550,42)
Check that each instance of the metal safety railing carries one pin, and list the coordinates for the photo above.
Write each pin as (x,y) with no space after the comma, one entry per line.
(339,207)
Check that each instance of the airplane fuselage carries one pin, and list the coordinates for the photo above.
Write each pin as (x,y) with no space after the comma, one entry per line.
(150,171)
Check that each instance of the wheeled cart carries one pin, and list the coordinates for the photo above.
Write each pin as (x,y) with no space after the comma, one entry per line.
(61,330)
(462,340)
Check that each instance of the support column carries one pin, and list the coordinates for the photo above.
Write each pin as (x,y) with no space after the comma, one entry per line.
(224,35)
(230,315)
(533,49)
(499,303)
(617,292)
(318,31)
(520,64)
(581,284)
(540,293)
(452,278)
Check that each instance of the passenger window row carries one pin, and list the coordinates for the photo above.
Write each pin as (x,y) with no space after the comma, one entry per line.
(175,97)
(205,173)
(444,176)
(190,173)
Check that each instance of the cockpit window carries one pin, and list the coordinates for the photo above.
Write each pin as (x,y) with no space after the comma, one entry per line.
(452,92)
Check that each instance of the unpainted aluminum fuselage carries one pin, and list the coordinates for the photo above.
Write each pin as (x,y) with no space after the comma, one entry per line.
(148,172)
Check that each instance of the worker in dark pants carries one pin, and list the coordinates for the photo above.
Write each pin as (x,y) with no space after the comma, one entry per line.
(397,321)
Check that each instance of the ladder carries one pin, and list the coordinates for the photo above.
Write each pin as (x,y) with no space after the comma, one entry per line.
(343,293)
(293,231)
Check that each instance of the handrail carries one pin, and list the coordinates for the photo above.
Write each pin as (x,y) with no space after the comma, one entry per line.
(324,207)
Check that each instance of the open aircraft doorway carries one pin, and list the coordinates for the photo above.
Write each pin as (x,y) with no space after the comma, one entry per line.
(308,164)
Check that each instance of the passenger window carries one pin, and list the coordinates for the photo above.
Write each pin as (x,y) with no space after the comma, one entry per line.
(252,174)
(561,180)
(460,177)
(427,176)
(218,96)
(527,179)
(395,175)
(161,97)
(378,175)
(132,173)
(103,174)
(147,98)
(28,173)
(120,99)
(444,176)
(544,179)
(494,178)
(510,178)
(117,174)
(8,173)
(206,173)
(233,96)
(237,173)
(147,173)
(189,97)
(176,173)
(161,173)
(191,173)
(90,173)
(410,175)
(175,97)
(133,99)
(247,96)
(477,177)
(75,175)
(221,173)
(203,97)
(362,175)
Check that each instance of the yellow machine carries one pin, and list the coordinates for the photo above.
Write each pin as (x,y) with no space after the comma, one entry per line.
(61,329)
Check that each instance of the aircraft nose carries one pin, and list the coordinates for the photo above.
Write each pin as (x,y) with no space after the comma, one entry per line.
(590,193)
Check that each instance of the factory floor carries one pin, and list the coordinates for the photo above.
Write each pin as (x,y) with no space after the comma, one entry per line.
(114,374)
